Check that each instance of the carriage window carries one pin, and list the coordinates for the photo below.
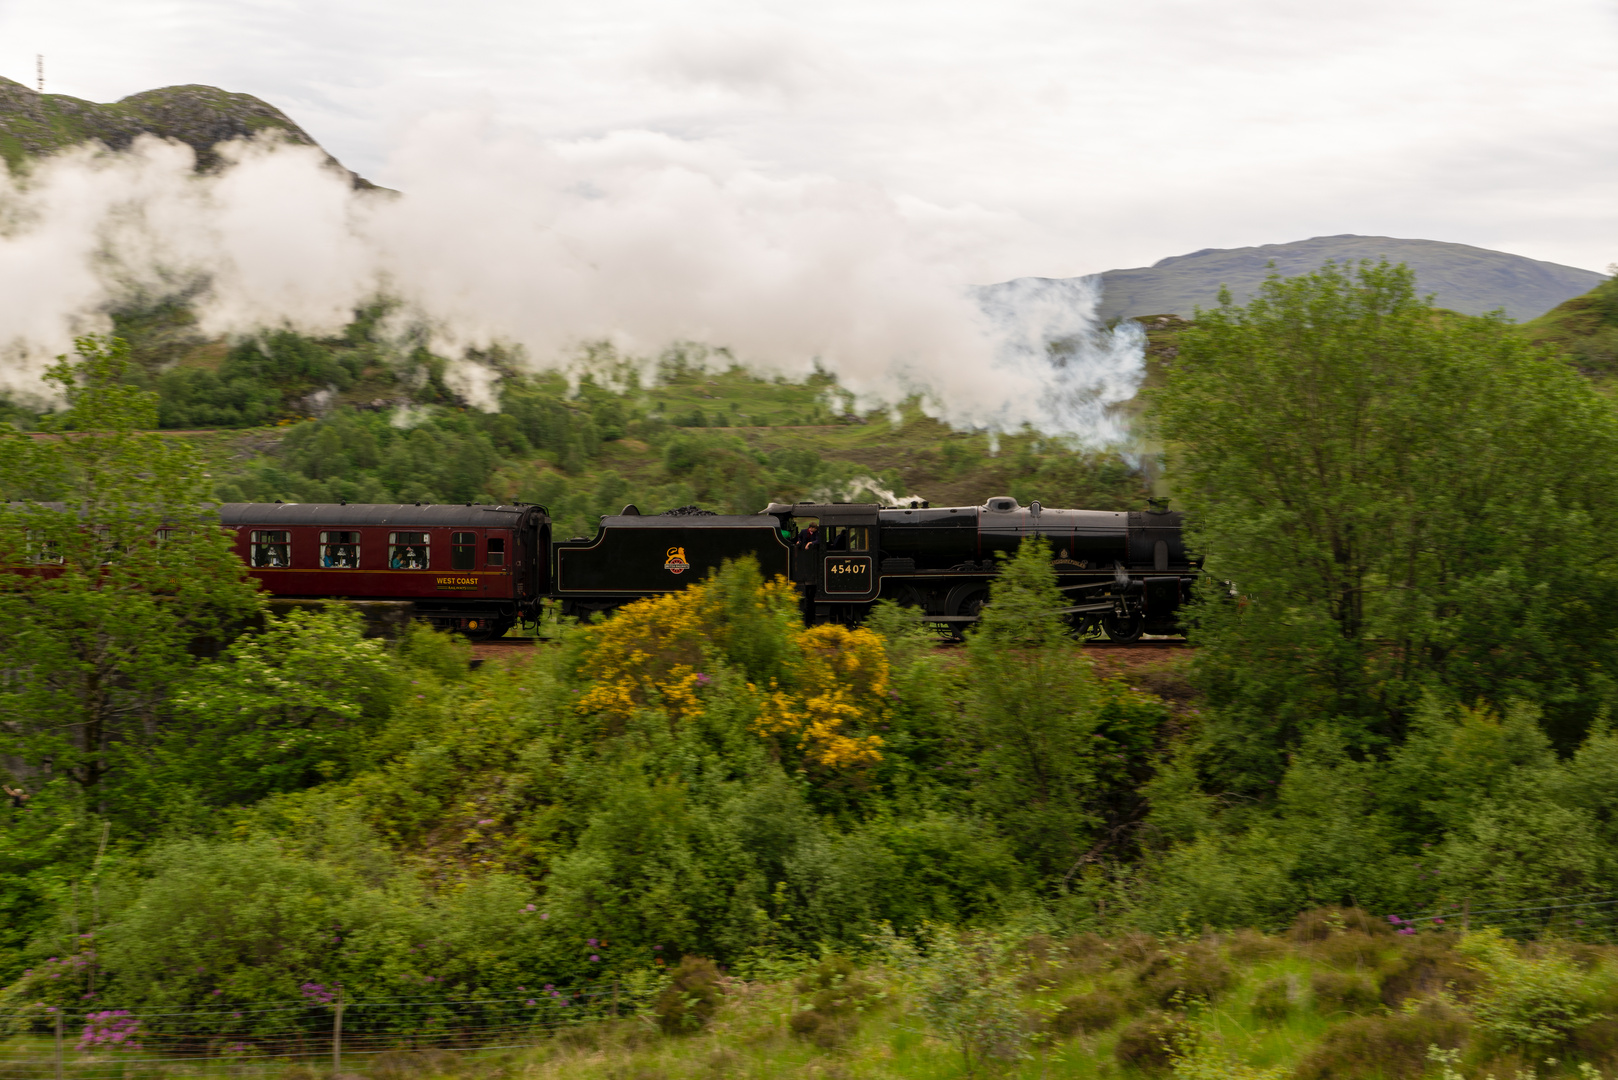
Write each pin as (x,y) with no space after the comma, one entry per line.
(42,550)
(271,548)
(340,550)
(408,551)
(497,551)
(463,551)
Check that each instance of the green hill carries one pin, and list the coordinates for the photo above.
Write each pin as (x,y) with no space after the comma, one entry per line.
(1585,328)
(34,125)
(1463,278)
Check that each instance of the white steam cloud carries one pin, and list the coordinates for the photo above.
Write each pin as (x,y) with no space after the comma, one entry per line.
(636,238)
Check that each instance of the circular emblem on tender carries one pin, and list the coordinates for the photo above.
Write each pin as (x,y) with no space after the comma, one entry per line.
(676,563)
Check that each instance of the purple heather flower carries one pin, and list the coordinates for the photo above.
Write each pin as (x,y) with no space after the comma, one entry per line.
(544,915)
(591,943)
(595,959)
(531,1001)
(1395,920)
(550,986)
(657,948)
(487,821)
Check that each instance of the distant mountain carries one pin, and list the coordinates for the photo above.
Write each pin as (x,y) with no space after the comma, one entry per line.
(35,125)
(1467,279)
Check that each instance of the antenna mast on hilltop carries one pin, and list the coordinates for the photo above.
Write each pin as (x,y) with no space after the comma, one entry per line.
(39,70)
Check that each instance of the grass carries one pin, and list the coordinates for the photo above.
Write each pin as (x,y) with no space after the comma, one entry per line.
(751,1035)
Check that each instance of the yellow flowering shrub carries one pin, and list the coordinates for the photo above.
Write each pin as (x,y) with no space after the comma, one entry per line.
(820,692)
(839,684)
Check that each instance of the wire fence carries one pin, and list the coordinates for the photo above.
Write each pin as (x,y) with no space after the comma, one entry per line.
(1590,917)
(303,1038)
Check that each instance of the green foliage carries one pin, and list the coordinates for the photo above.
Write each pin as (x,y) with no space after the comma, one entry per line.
(1397,494)
(1393,1047)
(1060,753)
(1198,1055)
(1179,976)
(1088,1013)
(280,710)
(108,593)
(257,918)
(837,996)
(1584,329)
(965,988)
(691,998)
(1535,1002)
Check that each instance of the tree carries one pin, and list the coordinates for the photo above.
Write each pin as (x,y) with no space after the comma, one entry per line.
(113,570)
(966,987)
(1407,500)
(1055,745)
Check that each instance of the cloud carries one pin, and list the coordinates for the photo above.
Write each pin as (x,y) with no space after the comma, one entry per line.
(636,237)
(771,60)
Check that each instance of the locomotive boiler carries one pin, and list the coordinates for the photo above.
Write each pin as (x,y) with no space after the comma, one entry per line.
(480,569)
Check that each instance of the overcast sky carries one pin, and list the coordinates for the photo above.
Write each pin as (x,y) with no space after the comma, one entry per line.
(1058,138)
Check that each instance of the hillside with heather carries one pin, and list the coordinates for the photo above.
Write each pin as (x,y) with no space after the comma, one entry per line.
(35,125)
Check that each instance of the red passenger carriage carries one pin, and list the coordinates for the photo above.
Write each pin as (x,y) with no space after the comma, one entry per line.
(473,568)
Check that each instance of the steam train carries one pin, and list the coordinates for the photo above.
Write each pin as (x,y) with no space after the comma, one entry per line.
(482,569)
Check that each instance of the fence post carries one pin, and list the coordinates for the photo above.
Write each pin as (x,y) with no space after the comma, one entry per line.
(58,1043)
(1466,915)
(337,1037)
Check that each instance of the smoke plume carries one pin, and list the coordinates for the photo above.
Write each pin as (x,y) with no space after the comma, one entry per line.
(635,238)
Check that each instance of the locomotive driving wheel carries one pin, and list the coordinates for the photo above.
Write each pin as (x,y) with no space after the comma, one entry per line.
(1124,628)
(966,600)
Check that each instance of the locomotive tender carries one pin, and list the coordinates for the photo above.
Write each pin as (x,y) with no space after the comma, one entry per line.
(481,569)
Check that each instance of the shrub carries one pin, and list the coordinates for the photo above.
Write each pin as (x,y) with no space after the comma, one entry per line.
(1340,992)
(1424,966)
(1597,1041)
(1194,972)
(1527,1001)
(1149,1043)
(966,990)
(837,996)
(691,998)
(1057,963)
(1322,923)
(1350,950)
(1384,1047)
(1088,1013)
(1132,948)
(1277,997)
(1252,947)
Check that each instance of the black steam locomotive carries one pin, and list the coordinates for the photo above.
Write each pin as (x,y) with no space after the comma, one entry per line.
(481,569)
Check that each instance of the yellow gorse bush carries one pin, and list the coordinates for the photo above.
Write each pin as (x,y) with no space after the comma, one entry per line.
(829,688)
(841,677)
